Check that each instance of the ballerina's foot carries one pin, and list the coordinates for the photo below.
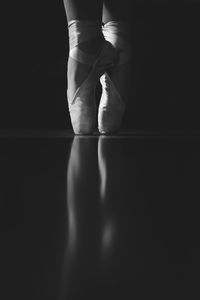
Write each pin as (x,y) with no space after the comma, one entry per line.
(116,81)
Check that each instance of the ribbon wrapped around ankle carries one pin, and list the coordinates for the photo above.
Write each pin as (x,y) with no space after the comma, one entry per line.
(117,33)
(81,31)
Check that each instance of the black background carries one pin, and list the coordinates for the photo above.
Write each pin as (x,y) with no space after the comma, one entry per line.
(165,78)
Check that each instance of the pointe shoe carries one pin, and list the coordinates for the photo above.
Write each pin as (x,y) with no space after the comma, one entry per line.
(84,71)
(114,81)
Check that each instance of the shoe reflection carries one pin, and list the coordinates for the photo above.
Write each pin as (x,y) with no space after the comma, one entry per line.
(91,221)
(82,193)
(108,224)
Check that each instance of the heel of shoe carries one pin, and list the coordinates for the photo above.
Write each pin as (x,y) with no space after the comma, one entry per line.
(83,120)
(83,110)
(111,108)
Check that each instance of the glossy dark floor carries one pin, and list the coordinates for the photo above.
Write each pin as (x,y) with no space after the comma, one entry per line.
(100,218)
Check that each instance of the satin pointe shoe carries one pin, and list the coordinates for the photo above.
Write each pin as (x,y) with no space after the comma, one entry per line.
(84,71)
(115,81)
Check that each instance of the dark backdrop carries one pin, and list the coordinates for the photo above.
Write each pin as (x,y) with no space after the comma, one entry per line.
(165,78)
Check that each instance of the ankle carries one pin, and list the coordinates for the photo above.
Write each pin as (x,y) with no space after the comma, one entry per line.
(86,35)
(118,34)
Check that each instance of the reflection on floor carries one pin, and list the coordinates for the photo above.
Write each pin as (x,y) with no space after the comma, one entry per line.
(100,217)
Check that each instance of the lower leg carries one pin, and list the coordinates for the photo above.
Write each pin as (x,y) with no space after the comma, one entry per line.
(117,20)
(83,10)
(90,11)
